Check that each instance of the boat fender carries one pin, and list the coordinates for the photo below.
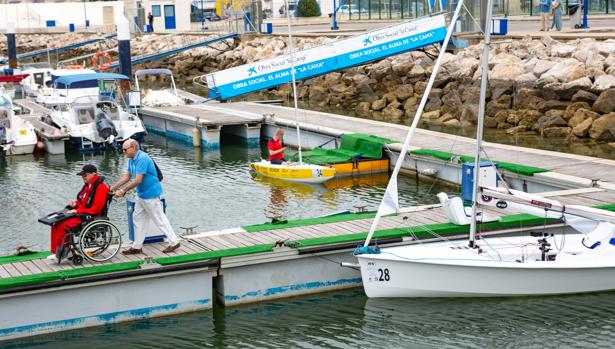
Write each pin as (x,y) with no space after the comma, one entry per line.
(105,126)
(196,137)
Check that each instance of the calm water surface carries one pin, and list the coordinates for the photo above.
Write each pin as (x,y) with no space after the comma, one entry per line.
(215,190)
(349,320)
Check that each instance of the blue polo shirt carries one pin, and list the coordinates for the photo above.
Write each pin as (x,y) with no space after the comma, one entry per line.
(546,7)
(150,186)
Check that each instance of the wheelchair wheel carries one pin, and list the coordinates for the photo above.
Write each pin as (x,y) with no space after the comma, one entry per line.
(99,241)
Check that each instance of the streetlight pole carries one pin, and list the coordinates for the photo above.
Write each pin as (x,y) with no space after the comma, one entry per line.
(85,15)
(202,17)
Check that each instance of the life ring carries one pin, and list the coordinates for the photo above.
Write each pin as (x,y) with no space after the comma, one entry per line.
(107,58)
(73,67)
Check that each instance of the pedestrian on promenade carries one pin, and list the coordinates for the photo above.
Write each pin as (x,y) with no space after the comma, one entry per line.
(544,14)
(556,11)
(150,20)
(148,212)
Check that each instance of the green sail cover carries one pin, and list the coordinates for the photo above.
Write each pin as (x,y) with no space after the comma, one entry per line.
(353,144)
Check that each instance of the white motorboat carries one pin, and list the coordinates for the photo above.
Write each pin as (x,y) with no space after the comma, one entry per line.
(17,136)
(38,79)
(538,263)
(97,120)
(159,97)
(54,94)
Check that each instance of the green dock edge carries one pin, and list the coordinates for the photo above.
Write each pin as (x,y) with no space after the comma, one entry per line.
(509,166)
(511,221)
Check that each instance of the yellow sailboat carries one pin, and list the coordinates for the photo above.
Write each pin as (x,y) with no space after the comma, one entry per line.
(306,173)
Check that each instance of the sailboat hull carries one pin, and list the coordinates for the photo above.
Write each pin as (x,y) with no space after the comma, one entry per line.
(446,271)
(304,173)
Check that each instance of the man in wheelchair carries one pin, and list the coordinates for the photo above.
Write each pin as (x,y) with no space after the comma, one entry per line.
(92,201)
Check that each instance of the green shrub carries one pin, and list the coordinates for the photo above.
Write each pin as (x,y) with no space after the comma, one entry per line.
(307,8)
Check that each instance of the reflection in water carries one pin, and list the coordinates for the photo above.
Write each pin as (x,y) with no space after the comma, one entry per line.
(347,319)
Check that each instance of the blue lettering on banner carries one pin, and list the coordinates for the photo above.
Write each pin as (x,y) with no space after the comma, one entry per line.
(349,59)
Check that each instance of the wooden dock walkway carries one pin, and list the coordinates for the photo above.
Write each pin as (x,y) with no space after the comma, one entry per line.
(237,238)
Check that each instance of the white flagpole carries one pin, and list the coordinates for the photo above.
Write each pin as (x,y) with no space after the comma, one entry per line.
(393,181)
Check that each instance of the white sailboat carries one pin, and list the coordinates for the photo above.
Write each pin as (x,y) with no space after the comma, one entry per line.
(494,266)
(296,172)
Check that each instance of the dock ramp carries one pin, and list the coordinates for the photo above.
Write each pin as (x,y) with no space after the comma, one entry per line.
(323,59)
(62,48)
(147,58)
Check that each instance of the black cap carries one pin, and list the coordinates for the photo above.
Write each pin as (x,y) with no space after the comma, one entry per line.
(87,169)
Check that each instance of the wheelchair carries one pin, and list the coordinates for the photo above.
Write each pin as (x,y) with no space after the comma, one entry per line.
(95,239)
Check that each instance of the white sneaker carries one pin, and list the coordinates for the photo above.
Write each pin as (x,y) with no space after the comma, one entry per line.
(52,257)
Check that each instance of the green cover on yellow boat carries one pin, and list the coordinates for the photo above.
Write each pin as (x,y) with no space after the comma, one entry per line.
(352,145)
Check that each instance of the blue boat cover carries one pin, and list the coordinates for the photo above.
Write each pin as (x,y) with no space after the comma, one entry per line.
(67,80)
(142,72)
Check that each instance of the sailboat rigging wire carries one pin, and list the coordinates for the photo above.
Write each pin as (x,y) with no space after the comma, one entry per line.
(497,171)
(393,181)
(480,122)
(294,82)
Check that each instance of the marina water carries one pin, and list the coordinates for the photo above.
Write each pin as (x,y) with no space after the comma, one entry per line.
(347,319)
(214,190)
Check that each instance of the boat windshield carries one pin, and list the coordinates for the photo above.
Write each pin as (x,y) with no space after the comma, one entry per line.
(87,107)
(5,103)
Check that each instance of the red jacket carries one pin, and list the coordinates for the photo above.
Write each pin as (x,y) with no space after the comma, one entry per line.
(275,145)
(93,197)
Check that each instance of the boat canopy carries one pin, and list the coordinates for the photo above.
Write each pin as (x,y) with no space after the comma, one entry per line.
(83,79)
(143,72)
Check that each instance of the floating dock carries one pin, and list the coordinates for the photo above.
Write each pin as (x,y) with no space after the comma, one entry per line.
(244,265)
(204,121)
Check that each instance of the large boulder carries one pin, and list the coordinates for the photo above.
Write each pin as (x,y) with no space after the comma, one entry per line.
(553,104)
(582,129)
(319,95)
(572,108)
(603,128)
(527,118)
(392,113)
(469,113)
(604,82)
(363,109)
(379,104)
(556,132)
(581,115)
(542,66)
(564,71)
(549,121)
(562,50)
(605,103)
(404,92)
(584,96)
(565,90)
(503,58)
(451,103)
(505,71)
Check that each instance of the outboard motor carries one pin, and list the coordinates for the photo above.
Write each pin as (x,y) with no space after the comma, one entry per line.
(105,126)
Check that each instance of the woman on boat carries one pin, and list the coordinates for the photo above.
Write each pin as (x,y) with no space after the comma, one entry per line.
(276,150)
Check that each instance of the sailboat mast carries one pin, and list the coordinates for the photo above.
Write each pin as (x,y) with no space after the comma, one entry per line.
(480,121)
(391,190)
(292,74)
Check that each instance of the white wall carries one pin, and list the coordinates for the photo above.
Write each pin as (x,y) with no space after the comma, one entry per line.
(34,16)
(182,13)
(29,16)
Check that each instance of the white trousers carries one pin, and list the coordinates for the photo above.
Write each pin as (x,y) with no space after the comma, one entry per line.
(149,220)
